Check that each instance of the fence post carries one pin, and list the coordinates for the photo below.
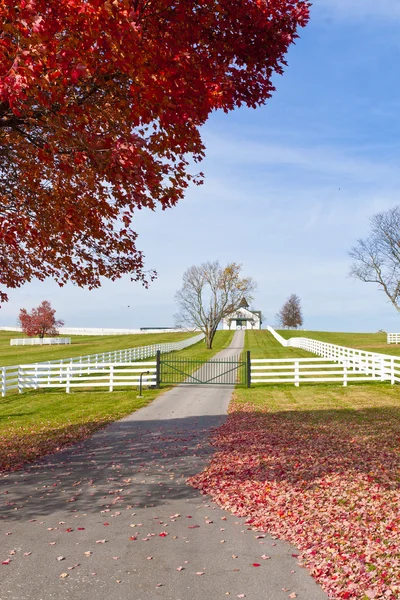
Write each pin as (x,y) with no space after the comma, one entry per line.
(68,385)
(392,378)
(158,369)
(19,380)
(345,374)
(296,373)
(3,381)
(111,377)
(382,361)
(248,369)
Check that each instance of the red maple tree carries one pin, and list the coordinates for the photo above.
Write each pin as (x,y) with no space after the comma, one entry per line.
(100,108)
(40,321)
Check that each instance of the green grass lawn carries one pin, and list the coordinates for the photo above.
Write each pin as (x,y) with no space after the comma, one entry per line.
(40,422)
(262,344)
(370,342)
(80,346)
(199,351)
(324,402)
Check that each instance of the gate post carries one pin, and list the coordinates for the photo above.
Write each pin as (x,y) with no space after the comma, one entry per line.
(248,369)
(158,369)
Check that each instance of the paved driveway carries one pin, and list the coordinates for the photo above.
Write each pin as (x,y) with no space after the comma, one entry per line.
(113,518)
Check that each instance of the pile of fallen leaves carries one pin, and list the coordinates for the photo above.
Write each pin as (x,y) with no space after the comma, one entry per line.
(331,486)
(18,448)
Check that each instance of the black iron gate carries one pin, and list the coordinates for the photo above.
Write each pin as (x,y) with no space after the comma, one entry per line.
(173,369)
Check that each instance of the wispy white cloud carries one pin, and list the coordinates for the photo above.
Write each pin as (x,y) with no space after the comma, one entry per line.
(321,159)
(359,9)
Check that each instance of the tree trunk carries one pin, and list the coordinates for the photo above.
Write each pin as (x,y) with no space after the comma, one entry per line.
(210,338)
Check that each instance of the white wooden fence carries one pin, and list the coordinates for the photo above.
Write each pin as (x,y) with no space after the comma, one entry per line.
(375,366)
(277,336)
(321,370)
(108,375)
(96,370)
(39,341)
(393,338)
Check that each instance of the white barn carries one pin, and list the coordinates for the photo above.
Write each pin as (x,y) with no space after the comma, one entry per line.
(243,318)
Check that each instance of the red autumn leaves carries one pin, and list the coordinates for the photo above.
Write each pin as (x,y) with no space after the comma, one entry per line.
(100,108)
(331,488)
(40,321)
(31,443)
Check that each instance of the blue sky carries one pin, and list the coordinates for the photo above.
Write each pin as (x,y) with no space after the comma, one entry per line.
(289,188)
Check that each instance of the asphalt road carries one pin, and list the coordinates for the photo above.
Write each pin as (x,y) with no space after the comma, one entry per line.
(113,518)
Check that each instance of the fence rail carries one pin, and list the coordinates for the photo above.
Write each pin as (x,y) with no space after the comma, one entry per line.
(321,370)
(277,336)
(374,366)
(45,374)
(67,376)
(39,341)
(393,338)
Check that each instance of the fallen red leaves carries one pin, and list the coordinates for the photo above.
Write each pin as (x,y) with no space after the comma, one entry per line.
(18,449)
(328,485)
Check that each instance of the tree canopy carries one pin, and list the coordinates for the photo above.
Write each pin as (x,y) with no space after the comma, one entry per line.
(376,258)
(210,293)
(290,314)
(100,108)
(40,321)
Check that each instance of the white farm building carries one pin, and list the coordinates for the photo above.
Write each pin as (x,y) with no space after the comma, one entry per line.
(243,318)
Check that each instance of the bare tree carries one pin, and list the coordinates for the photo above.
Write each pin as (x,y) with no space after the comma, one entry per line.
(209,293)
(377,257)
(290,314)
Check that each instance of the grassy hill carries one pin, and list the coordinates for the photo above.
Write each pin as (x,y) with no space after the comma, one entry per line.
(263,345)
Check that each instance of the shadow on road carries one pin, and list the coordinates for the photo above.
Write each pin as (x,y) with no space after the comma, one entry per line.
(138,463)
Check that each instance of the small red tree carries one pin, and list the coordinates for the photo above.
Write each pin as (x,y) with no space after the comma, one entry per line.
(41,321)
(101,107)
